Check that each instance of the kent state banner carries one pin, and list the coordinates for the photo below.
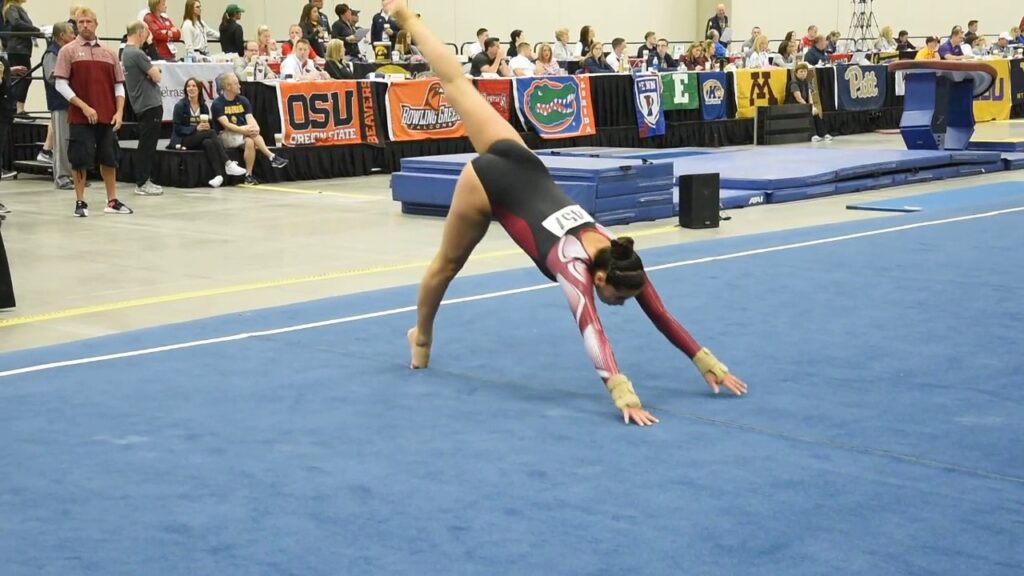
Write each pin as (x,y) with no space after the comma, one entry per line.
(997,102)
(712,95)
(556,106)
(327,113)
(755,88)
(861,87)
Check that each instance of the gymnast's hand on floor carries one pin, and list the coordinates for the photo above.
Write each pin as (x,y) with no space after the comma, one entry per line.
(639,415)
(729,381)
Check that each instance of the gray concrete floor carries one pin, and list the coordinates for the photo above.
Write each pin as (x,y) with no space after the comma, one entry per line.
(192,254)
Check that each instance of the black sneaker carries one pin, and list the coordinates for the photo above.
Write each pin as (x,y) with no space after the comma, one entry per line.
(278,162)
(81,209)
(115,206)
(251,180)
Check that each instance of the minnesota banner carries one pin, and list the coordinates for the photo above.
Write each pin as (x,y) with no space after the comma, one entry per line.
(327,113)
(756,88)
(556,106)
(419,110)
(680,91)
(650,117)
(712,95)
(997,102)
(498,92)
(861,87)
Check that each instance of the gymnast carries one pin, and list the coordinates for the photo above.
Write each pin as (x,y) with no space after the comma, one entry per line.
(509,182)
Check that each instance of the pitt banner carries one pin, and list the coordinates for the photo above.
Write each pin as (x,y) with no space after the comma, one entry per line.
(327,113)
(680,91)
(498,92)
(419,110)
(712,95)
(650,117)
(997,102)
(755,88)
(556,106)
(861,87)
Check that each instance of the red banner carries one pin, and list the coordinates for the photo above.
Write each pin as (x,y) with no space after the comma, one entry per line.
(419,110)
(327,113)
(498,92)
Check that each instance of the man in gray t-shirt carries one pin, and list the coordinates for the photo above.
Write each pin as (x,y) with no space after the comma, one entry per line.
(142,81)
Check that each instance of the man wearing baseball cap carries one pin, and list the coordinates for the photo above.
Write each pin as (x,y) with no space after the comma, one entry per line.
(232,37)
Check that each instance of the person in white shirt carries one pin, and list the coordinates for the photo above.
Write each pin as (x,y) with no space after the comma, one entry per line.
(617,59)
(760,57)
(194,32)
(473,49)
(297,66)
(522,65)
(561,49)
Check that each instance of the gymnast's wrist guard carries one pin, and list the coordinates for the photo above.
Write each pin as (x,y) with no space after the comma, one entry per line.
(706,362)
(622,392)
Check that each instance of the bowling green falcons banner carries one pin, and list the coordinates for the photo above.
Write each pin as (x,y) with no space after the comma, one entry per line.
(996,104)
(680,91)
(327,113)
(861,87)
(650,117)
(419,110)
(755,88)
(556,106)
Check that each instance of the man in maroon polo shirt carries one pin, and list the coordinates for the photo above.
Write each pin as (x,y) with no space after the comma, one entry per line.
(90,76)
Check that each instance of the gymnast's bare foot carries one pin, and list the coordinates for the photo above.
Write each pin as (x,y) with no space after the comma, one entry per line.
(420,351)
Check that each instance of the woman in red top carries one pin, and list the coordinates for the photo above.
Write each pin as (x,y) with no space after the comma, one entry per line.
(163,30)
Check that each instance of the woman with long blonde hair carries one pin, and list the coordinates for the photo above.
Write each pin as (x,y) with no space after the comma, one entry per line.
(546,64)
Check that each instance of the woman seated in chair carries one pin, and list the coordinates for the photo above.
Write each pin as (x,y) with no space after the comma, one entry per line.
(694,59)
(546,64)
(334,65)
(192,131)
(596,62)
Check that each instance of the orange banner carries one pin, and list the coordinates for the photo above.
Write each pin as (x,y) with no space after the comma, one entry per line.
(419,110)
(330,113)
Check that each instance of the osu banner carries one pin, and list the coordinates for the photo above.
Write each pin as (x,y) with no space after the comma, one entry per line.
(498,92)
(861,87)
(327,113)
(556,106)
(755,88)
(712,95)
(419,110)
(679,91)
(997,102)
(650,117)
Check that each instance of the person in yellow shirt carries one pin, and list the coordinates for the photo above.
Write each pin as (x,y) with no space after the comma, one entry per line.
(930,50)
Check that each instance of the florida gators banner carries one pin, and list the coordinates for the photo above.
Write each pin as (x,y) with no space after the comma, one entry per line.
(861,87)
(327,113)
(650,116)
(755,88)
(498,92)
(997,102)
(556,106)
(680,91)
(419,110)
(712,95)
(1017,81)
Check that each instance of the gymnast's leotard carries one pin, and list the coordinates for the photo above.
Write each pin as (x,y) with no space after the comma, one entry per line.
(542,219)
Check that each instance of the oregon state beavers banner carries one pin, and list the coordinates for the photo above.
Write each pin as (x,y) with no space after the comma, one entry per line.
(498,92)
(419,110)
(556,106)
(327,113)
(756,88)
(997,102)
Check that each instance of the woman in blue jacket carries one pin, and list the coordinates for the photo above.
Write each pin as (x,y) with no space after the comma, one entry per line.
(192,131)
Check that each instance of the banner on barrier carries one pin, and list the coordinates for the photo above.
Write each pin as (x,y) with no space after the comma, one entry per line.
(556,106)
(419,110)
(712,95)
(997,102)
(174,75)
(327,113)
(1017,81)
(861,87)
(650,117)
(498,92)
(680,91)
(755,88)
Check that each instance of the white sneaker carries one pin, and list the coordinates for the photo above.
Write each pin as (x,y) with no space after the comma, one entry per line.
(816,139)
(156,189)
(149,189)
(233,169)
(828,137)
(216,182)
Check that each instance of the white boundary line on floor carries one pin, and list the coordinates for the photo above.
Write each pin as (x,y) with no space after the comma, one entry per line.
(488,295)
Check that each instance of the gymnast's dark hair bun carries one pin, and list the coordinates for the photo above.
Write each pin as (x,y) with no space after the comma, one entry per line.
(622,264)
(622,248)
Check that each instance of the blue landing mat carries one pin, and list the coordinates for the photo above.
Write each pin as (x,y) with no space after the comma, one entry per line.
(1014,160)
(976,197)
(1007,145)
(652,154)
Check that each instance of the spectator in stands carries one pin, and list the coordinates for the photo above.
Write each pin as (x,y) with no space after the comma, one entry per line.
(247,61)
(515,39)
(63,34)
(595,62)
(930,50)
(885,41)
(972,32)
(490,61)
(649,46)
(8,106)
(816,55)
(808,40)
(617,58)
(294,35)
(787,57)
(325,23)
(952,49)
(760,57)
(237,128)
(522,64)
(194,32)
(309,22)
(383,28)
(403,44)
(333,62)
(162,29)
(562,49)
(142,81)
(87,69)
(1016,35)
(192,131)
(72,12)
(832,42)
(903,43)
(695,60)
(587,36)
(546,64)
(662,59)
(719,23)
(979,47)
(720,52)
(482,35)
(298,66)
(786,40)
(748,46)
(800,91)
(19,48)
(345,29)
(232,36)
(1002,47)
(265,43)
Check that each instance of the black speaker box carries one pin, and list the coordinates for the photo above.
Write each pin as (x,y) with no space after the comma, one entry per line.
(699,201)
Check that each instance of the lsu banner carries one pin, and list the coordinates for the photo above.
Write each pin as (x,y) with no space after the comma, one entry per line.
(419,110)
(650,116)
(1017,81)
(997,102)
(173,76)
(712,95)
(680,91)
(755,88)
(327,113)
(498,92)
(861,87)
(556,106)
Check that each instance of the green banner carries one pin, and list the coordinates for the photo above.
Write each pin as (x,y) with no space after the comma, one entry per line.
(680,91)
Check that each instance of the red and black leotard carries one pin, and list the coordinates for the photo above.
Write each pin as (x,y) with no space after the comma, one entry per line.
(542,219)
